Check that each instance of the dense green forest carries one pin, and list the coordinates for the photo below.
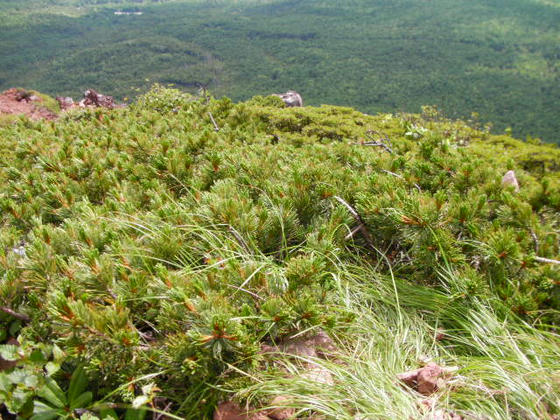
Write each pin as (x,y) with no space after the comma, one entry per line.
(497,58)
(188,257)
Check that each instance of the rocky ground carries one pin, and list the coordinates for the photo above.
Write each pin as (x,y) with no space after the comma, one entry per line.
(17,102)
(23,102)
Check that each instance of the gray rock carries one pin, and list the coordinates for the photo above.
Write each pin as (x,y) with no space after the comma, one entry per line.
(510,180)
(65,102)
(291,98)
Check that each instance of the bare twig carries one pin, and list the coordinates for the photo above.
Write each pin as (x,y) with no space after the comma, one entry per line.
(162,415)
(392,173)
(352,233)
(535,240)
(381,142)
(547,260)
(361,225)
(17,315)
(401,177)
(216,128)
(239,239)
(203,89)
(246,291)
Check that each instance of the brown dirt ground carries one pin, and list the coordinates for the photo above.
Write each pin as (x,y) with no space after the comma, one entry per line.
(9,104)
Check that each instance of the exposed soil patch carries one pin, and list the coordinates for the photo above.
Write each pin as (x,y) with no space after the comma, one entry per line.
(18,102)
(22,102)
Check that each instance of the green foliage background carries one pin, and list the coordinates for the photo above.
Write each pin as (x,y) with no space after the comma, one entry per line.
(160,254)
(498,58)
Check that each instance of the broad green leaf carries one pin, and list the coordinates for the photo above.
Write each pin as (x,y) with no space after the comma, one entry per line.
(52,393)
(135,414)
(31,380)
(78,383)
(14,328)
(58,354)
(9,352)
(37,356)
(42,411)
(52,368)
(89,416)
(17,376)
(81,401)
(5,382)
(40,407)
(108,414)
(48,415)
(18,400)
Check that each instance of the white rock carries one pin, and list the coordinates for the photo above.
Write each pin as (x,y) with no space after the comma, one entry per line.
(319,375)
(510,180)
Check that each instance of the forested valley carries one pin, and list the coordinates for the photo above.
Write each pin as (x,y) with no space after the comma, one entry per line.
(497,59)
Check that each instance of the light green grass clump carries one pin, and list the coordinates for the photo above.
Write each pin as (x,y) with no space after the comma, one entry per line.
(161,254)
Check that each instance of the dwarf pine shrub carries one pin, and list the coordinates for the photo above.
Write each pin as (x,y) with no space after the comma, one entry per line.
(159,252)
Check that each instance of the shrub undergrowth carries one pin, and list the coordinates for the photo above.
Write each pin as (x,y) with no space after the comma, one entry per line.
(157,255)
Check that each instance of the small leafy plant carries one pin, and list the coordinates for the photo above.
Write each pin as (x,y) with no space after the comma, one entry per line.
(53,402)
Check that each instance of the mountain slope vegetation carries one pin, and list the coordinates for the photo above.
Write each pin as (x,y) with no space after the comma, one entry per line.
(496,58)
(163,258)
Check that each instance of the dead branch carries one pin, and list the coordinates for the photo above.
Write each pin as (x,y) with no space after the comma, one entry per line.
(161,415)
(401,177)
(352,233)
(535,240)
(203,91)
(392,173)
(361,225)
(216,128)
(547,260)
(17,315)
(381,142)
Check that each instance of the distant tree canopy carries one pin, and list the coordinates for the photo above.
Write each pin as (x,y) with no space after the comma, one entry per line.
(498,59)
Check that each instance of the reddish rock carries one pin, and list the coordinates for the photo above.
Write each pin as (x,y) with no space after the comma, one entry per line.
(280,411)
(426,380)
(92,98)
(409,377)
(318,345)
(229,410)
(65,102)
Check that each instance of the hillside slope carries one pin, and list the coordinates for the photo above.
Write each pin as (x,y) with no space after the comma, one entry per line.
(497,58)
(175,255)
